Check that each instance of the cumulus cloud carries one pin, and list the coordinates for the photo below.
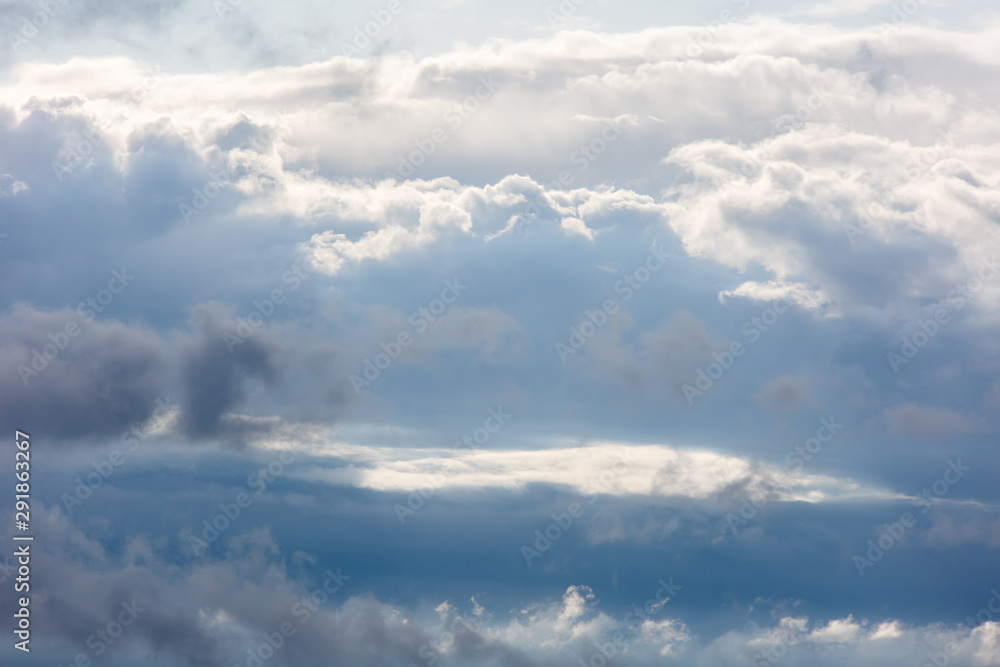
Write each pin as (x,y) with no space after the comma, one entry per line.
(830,171)
(293,214)
(209,613)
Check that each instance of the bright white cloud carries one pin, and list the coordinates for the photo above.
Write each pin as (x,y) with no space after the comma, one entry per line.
(600,468)
(782,149)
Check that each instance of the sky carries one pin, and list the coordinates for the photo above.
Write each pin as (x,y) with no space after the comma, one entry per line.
(433,333)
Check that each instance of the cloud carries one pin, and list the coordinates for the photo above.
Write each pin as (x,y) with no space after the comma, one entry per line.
(839,631)
(827,10)
(600,468)
(851,172)
(73,378)
(887,630)
(786,392)
(778,186)
(922,421)
(215,371)
(679,347)
(208,613)
(10,186)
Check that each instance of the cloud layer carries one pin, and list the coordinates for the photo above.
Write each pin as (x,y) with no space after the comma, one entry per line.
(518,331)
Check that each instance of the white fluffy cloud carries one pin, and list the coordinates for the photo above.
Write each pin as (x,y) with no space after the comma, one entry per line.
(767,164)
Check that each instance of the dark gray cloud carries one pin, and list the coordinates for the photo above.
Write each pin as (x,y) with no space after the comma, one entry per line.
(99,381)
(786,392)
(923,421)
(216,370)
